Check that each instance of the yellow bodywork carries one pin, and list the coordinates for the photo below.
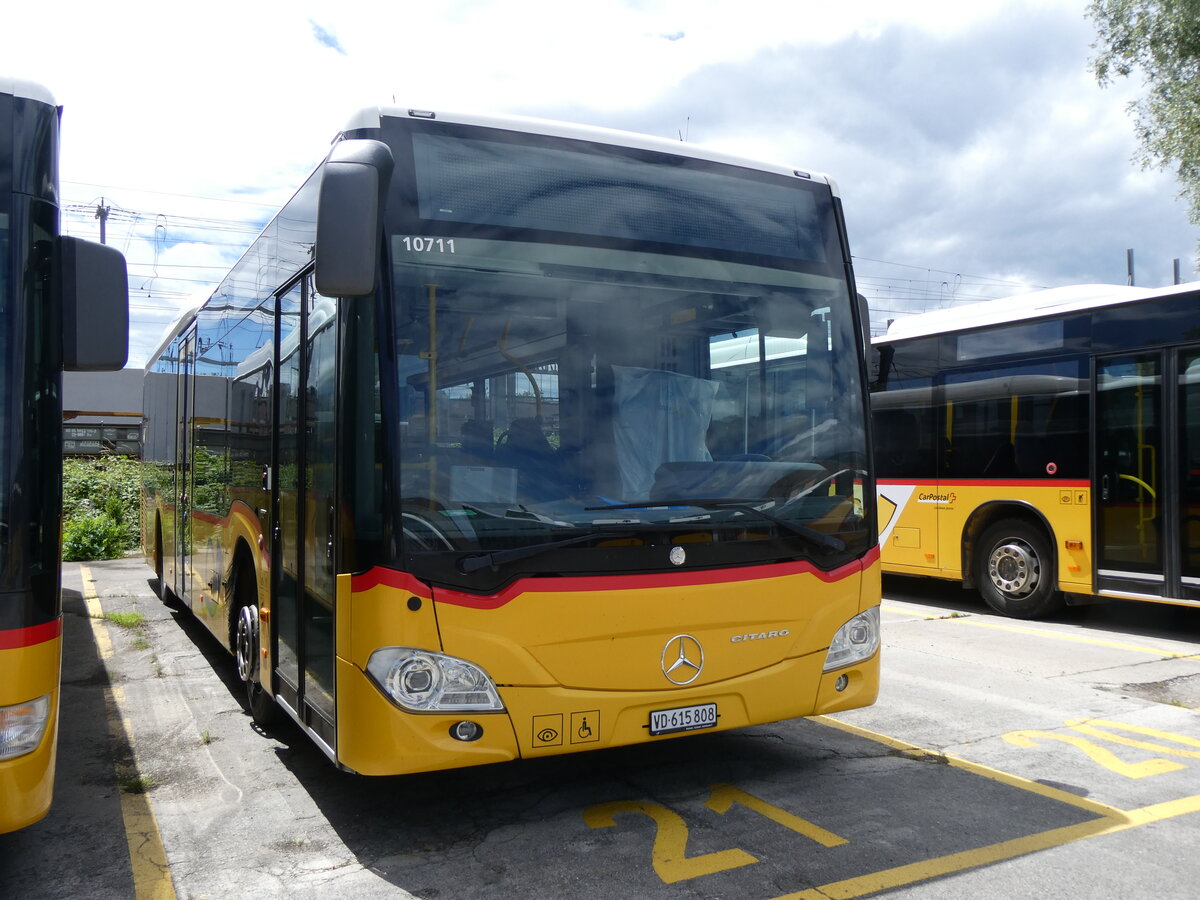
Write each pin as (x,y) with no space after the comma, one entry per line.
(922,524)
(579,663)
(27,782)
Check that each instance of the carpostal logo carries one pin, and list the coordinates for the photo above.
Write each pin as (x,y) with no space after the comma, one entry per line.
(937,498)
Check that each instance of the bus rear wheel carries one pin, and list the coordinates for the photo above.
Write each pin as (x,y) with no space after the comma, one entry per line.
(246,643)
(1013,570)
(164,593)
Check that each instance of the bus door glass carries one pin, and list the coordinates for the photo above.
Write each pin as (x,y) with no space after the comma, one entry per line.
(320,427)
(1129,474)
(287,534)
(1189,468)
(185,446)
(304,500)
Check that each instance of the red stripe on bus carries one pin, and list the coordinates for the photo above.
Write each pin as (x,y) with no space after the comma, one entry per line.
(16,638)
(986,482)
(406,582)
(402,581)
(644,582)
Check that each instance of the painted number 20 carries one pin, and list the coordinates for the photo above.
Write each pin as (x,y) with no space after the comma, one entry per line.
(1099,728)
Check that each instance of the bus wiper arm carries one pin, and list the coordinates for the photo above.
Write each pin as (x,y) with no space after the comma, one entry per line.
(473,562)
(698,502)
(824,541)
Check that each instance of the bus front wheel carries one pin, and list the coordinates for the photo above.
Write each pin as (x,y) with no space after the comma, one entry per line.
(1013,570)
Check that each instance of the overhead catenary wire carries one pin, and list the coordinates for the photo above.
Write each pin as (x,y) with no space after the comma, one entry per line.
(893,289)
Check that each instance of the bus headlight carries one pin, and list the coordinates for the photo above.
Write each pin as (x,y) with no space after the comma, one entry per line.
(423,681)
(855,641)
(22,727)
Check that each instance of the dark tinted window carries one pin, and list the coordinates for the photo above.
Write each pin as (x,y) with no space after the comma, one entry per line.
(1026,421)
(903,411)
(508,185)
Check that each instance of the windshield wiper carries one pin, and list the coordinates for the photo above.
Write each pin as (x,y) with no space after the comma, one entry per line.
(473,562)
(823,541)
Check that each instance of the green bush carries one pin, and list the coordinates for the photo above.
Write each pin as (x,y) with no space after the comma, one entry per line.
(101,507)
(93,537)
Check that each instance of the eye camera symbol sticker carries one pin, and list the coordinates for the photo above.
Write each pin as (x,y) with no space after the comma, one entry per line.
(682,659)
(547,736)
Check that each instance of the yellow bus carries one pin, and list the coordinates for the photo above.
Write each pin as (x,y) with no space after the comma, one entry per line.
(1045,449)
(63,304)
(510,438)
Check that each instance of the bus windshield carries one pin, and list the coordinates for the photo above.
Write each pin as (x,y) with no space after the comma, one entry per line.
(567,408)
(5,387)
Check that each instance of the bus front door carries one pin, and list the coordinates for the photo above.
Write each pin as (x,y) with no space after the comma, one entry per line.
(184,480)
(1132,473)
(303,504)
(1189,472)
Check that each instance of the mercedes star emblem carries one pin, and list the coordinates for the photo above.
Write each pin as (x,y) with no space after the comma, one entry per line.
(682,659)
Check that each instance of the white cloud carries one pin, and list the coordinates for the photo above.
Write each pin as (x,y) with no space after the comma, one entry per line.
(966,137)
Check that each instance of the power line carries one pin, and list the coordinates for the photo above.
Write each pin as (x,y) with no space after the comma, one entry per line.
(985,278)
(108,188)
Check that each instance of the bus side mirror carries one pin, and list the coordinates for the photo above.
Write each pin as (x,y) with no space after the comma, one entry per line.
(354,183)
(864,322)
(93,290)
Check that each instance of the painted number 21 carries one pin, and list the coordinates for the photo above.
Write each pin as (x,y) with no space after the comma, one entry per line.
(669,854)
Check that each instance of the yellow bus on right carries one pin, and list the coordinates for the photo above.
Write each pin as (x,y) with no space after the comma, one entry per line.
(1045,448)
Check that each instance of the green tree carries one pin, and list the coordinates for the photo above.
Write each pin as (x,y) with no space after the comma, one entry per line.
(1160,40)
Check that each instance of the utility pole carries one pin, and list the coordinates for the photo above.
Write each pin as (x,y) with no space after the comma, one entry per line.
(1177,278)
(1129,266)
(102,214)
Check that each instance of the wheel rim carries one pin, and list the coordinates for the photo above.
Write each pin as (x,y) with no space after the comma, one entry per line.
(1014,568)
(247,643)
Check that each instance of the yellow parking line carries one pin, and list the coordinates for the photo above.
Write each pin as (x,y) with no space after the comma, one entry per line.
(1018,629)
(1033,787)
(1134,648)
(147,856)
(955,862)
(1109,820)
(908,612)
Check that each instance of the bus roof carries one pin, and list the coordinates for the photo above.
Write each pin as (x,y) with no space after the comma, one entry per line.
(181,321)
(1034,305)
(371,116)
(27,90)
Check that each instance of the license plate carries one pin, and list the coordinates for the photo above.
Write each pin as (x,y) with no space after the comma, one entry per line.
(683,718)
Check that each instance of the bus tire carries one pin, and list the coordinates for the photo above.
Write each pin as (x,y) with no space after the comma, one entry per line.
(1014,570)
(246,642)
(164,593)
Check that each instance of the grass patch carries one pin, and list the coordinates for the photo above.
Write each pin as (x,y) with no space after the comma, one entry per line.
(126,619)
(137,784)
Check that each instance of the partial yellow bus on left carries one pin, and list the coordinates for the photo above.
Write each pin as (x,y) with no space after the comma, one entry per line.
(63,305)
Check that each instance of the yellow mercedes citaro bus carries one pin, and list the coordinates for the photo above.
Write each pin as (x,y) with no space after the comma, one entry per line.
(63,304)
(1045,449)
(509,438)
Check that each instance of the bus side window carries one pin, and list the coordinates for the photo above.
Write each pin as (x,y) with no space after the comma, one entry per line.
(898,442)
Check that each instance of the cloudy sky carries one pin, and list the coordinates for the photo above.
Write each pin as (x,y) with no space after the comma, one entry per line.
(976,156)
